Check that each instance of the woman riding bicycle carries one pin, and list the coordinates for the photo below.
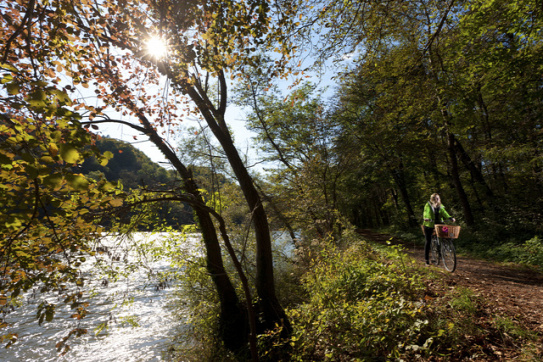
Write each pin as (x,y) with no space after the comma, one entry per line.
(434,213)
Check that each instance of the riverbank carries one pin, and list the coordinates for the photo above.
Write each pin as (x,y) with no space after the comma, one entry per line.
(372,300)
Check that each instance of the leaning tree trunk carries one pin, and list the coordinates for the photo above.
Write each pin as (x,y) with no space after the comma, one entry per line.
(233,323)
(272,312)
(455,173)
(265,284)
(470,165)
(451,144)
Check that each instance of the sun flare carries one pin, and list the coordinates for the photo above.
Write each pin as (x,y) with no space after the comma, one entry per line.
(157,47)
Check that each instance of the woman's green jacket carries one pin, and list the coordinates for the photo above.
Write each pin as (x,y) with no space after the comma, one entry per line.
(430,214)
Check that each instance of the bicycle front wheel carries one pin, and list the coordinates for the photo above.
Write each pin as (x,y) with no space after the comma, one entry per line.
(448,254)
(434,251)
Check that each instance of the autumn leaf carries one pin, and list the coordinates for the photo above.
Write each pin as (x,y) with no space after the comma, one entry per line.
(116,202)
(69,153)
(53,149)
(53,180)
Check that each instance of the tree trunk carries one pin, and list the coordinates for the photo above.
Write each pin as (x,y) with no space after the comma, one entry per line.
(468,215)
(451,147)
(233,316)
(470,165)
(272,312)
(233,323)
(399,177)
(265,284)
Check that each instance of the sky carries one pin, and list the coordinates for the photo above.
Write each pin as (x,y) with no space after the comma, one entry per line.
(235,118)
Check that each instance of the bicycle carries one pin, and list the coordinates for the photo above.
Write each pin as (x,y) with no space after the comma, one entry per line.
(442,246)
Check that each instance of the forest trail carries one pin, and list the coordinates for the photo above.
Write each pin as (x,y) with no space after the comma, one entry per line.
(506,289)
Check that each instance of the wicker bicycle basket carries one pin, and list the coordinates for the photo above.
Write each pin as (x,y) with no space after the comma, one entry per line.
(447,231)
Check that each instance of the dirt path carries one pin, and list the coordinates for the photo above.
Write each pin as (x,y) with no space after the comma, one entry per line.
(509,290)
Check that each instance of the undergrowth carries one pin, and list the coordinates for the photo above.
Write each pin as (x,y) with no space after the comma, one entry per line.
(361,303)
(375,305)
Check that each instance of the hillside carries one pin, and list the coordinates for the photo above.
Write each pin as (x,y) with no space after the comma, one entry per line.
(128,165)
(133,169)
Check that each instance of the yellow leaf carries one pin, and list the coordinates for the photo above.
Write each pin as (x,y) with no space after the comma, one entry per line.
(69,153)
(77,182)
(54,180)
(116,202)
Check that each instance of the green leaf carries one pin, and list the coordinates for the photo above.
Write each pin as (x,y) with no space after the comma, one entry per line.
(116,202)
(31,171)
(8,67)
(77,182)
(7,79)
(47,159)
(37,98)
(108,186)
(62,96)
(13,88)
(53,180)
(69,153)
(5,160)
(103,161)
(49,314)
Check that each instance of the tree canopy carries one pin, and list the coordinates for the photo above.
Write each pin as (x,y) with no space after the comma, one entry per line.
(435,97)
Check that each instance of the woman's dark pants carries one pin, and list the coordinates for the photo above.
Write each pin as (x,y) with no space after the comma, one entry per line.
(428,235)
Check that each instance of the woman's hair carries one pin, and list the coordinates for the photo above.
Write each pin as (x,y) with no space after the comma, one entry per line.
(434,202)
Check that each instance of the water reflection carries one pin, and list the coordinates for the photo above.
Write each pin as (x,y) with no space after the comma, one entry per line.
(138,330)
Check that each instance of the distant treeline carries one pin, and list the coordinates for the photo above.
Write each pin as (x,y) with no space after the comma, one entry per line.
(133,169)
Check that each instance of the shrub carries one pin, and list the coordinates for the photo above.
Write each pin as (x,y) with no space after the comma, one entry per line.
(361,306)
(534,252)
(195,304)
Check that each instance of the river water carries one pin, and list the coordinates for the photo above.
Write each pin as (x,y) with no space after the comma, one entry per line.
(140,329)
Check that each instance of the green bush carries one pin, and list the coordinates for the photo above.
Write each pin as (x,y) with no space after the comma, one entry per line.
(358,303)
(195,304)
(361,306)
(374,304)
(529,252)
(533,252)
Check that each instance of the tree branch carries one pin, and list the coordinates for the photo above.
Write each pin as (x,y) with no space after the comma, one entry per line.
(27,18)
(439,27)
(109,120)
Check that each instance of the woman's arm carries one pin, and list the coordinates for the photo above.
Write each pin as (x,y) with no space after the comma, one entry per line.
(445,214)
(427,214)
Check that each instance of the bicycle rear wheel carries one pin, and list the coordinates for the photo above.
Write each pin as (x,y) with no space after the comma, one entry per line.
(434,251)
(449,254)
